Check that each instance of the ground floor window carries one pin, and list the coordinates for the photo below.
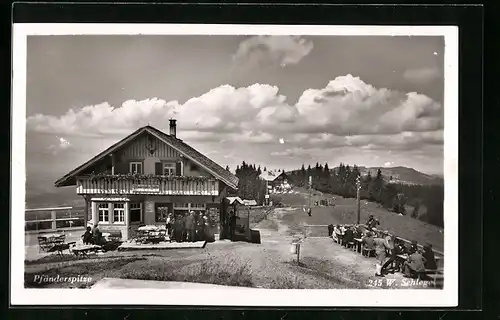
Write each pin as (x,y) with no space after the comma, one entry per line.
(119,212)
(111,212)
(135,212)
(103,209)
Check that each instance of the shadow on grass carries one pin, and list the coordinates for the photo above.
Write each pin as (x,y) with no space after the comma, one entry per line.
(229,273)
(327,271)
(61,277)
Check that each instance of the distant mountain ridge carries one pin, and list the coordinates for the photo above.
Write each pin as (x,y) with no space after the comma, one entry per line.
(403,175)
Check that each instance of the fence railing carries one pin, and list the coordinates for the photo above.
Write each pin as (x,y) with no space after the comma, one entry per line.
(54,219)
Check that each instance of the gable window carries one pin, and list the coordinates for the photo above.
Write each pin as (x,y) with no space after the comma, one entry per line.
(119,212)
(168,169)
(135,167)
(103,209)
(135,211)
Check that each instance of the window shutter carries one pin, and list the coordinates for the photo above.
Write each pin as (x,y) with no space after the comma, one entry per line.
(158,168)
(178,168)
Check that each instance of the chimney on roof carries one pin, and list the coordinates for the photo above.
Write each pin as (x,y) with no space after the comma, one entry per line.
(173,127)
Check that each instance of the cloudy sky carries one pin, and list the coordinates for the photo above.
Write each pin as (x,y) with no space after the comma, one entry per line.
(275,101)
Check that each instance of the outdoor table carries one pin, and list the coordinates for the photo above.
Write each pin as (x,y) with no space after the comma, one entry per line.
(59,248)
(152,233)
(51,235)
(85,249)
(358,244)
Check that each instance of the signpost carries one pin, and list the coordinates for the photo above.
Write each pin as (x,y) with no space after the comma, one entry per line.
(295,249)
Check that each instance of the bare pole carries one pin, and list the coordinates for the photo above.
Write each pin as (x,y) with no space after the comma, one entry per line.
(358,188)
(298,253)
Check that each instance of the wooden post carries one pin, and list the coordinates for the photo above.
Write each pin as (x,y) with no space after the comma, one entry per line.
(358,188)
(112,163)
(86,212)
(298,253)
(53,216)
(127,220)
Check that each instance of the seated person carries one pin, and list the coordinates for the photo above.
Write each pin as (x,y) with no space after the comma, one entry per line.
(358,232)
(348,236)
(336,233)
(415,265)
(367,242)
(98,238)
(430,260)
(398,250)
(88,236)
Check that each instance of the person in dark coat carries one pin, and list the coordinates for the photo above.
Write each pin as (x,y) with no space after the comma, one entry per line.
(232,224)
(190,227)
(88,236)
(348,236)
(430,259)
(178,231)
(200,227)
(98,239)
(330,230)
(370,220)
(392,252)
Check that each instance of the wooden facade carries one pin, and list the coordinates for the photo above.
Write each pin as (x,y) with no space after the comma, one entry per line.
(133,184)
(151,186)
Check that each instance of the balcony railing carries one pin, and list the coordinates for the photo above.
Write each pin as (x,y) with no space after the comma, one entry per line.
(151,185)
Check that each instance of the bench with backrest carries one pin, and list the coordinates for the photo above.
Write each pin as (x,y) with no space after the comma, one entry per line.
(113,235)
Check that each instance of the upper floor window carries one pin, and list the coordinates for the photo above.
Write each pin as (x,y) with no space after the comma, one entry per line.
(168,169)
(135,167)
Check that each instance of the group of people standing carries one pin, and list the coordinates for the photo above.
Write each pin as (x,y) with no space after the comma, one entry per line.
(191,227)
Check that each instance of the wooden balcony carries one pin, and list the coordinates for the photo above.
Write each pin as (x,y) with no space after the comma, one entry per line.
(151,185)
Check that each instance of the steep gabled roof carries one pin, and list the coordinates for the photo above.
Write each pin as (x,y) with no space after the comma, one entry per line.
(189,152)
(271,176)
(235,199)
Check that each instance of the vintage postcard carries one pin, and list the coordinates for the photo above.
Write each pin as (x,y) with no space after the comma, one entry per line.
(241,165)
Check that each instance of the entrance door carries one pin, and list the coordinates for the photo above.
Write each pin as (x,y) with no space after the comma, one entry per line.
(161,212)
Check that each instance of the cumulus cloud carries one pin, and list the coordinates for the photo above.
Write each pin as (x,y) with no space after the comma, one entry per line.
(281,50)
(422,75)
(62,145)
(347,112)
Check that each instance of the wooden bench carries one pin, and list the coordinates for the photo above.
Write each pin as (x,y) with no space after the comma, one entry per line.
(114,235)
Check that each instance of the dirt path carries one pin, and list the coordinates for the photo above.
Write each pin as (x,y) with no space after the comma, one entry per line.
(320,256)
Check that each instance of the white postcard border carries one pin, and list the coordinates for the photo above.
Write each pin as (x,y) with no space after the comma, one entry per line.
(446,297)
